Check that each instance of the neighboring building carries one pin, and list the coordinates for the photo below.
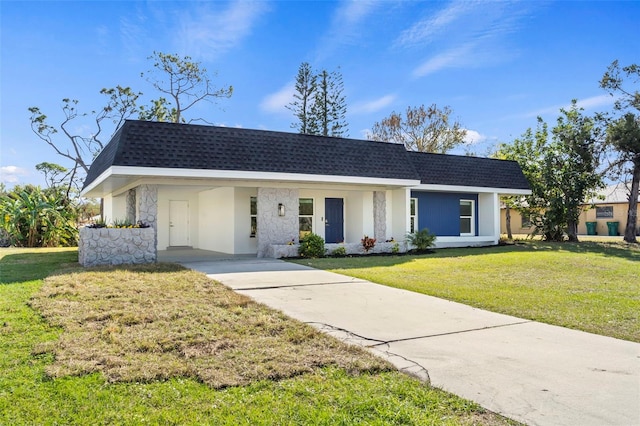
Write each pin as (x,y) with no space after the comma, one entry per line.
(520,223)
(238,191)
(611,205)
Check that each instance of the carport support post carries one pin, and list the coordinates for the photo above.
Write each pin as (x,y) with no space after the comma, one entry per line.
(147,208)
(380,216)
(131,206)
(272,227)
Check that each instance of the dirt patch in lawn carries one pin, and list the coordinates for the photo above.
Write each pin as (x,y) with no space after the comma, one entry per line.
(151,322)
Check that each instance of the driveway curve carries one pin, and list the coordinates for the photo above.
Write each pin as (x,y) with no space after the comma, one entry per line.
(531,372)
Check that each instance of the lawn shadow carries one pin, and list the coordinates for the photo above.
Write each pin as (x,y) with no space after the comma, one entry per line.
(34,264)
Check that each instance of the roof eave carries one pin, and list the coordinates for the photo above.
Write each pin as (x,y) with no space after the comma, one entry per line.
(94,189)
(472,189)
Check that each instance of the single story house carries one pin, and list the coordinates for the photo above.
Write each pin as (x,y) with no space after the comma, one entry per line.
(609,205)
(242,191)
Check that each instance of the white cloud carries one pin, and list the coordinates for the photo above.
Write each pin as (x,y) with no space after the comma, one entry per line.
(345,27)
(596,101)
(453,58)
(276,102)
(426,29)
(587,103)
(474,137)
(12,174)
(466,35)
(373,105)
(207,33)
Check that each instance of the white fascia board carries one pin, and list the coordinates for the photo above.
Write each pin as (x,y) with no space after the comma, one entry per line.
(97,181)
(247,175)
(471,189)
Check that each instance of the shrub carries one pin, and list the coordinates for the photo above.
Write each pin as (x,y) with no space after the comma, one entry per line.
(396,248)
(312,245)
(339,252)
(422,239)
(368,243)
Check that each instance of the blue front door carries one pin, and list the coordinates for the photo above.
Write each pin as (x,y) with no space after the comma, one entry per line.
(333,220)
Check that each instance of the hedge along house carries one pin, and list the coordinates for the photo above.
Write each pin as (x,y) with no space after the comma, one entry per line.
(242,191)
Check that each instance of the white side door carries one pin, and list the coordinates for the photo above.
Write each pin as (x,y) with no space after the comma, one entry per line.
(178,223)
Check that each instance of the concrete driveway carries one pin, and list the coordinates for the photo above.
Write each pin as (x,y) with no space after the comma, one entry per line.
(530,372)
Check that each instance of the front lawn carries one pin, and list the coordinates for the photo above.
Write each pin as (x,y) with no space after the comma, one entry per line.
(590,286)
(162,345)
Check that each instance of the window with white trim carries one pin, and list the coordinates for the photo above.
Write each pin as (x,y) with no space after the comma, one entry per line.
(253,212)
(413,214)
(305,214)
(467,222)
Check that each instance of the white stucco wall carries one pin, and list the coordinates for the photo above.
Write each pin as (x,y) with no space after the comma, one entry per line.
(389,216)
(400,203)
(359,216)
(114,208)
(216,220)
(489,215)
(243,242)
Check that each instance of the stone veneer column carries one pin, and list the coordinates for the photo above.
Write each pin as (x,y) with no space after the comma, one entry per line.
(380,216)
(130,203)
(147,208)
(274,229)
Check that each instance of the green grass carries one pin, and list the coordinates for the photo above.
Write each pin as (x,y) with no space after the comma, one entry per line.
(38,387)
(590,286)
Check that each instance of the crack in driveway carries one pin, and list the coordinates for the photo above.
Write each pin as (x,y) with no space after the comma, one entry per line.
(273,287)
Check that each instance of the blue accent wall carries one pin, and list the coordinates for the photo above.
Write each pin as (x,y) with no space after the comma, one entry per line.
(440,211)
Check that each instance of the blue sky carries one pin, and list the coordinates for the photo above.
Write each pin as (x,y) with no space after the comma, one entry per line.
(497,64)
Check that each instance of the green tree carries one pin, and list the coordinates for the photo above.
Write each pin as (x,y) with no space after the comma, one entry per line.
(305,88)
(329,107)
(33,217)
(572,166)
(319,104)
(623,136)
(528,151)
(184,82)
(562,172)
(52,173)
(424,129)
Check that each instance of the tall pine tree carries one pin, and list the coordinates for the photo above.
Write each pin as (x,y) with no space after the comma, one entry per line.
(319,103)
(303,98)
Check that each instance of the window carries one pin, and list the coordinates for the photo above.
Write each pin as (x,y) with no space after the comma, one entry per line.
(526,221)
(305,214)
(604,212)
(466,218)
(253,211)
(413,214)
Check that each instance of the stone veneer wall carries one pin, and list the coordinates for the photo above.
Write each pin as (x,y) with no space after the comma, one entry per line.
(116,246)
(380,216)
(130,204)
(147,207)
(274,229)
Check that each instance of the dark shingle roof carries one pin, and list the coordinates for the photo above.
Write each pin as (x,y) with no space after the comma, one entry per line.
(188,146)
(441,169)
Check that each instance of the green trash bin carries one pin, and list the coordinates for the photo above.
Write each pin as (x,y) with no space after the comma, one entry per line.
(613,228)
(591,228)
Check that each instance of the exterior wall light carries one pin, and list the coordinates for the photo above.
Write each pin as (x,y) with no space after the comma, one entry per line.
(280,209)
